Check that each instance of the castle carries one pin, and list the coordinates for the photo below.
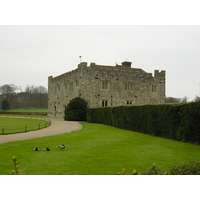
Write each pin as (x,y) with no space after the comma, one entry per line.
(103,86)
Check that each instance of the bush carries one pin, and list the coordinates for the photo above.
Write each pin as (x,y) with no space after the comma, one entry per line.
(5,105)
(76,110)
(192,168)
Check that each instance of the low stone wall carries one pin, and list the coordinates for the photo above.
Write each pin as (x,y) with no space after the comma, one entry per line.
(24,113)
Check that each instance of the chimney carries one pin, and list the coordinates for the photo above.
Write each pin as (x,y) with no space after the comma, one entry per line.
(126,64)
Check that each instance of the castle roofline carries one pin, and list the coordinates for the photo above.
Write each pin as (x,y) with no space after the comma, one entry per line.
(125,64)
(120,67)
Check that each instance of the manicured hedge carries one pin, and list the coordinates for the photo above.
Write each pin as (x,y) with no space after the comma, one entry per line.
(173,121)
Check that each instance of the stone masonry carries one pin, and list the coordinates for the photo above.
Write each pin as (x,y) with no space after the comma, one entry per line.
(103,86)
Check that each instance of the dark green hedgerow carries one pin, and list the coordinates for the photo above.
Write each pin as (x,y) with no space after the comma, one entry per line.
(178,121)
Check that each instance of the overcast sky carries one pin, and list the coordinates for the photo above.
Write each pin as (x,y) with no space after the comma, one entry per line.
(29,54)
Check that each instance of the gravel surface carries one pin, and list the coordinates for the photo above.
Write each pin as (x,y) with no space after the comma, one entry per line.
(58,126)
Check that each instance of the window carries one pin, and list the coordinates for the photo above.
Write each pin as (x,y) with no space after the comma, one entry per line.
(105,85)
(128,102)
(153,88)
(104,103)
(128,86)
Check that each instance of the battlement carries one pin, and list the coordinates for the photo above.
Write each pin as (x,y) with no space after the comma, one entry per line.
(162,73)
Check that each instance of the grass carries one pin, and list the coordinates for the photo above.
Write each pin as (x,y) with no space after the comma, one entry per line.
(96,150)
(17,125)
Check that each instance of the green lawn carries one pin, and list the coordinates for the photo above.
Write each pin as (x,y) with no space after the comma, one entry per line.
(96,150)
(16,125)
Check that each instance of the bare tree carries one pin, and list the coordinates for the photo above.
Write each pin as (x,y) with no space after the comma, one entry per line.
(8,89)
(35,96)
(197,98)
(42,90)
(184,99)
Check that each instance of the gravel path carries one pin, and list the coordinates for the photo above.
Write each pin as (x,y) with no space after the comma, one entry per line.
(58,126)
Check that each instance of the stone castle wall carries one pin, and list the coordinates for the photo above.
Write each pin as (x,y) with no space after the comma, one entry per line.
(105,86)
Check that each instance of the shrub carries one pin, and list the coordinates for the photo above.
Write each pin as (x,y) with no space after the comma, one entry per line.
(16,170)
(5,105)
(192,168)
(76,110)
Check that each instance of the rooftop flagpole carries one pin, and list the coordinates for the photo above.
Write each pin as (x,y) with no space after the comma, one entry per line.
(80,58)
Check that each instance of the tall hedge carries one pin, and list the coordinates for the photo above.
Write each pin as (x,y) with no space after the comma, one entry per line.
(173,121)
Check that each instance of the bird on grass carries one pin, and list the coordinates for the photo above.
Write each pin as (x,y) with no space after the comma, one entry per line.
(46,149)
(62,146)
(36,149)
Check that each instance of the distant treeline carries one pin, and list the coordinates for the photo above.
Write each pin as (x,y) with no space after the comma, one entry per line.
(33,96)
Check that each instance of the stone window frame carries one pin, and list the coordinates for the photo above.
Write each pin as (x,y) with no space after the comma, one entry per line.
(128,86)
(104,103)
(129,102)
(153,88)
(105,85)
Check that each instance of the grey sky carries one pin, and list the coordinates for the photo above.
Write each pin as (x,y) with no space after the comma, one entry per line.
(29,54)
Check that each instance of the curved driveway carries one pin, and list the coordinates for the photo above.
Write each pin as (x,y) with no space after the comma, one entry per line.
(58,126)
